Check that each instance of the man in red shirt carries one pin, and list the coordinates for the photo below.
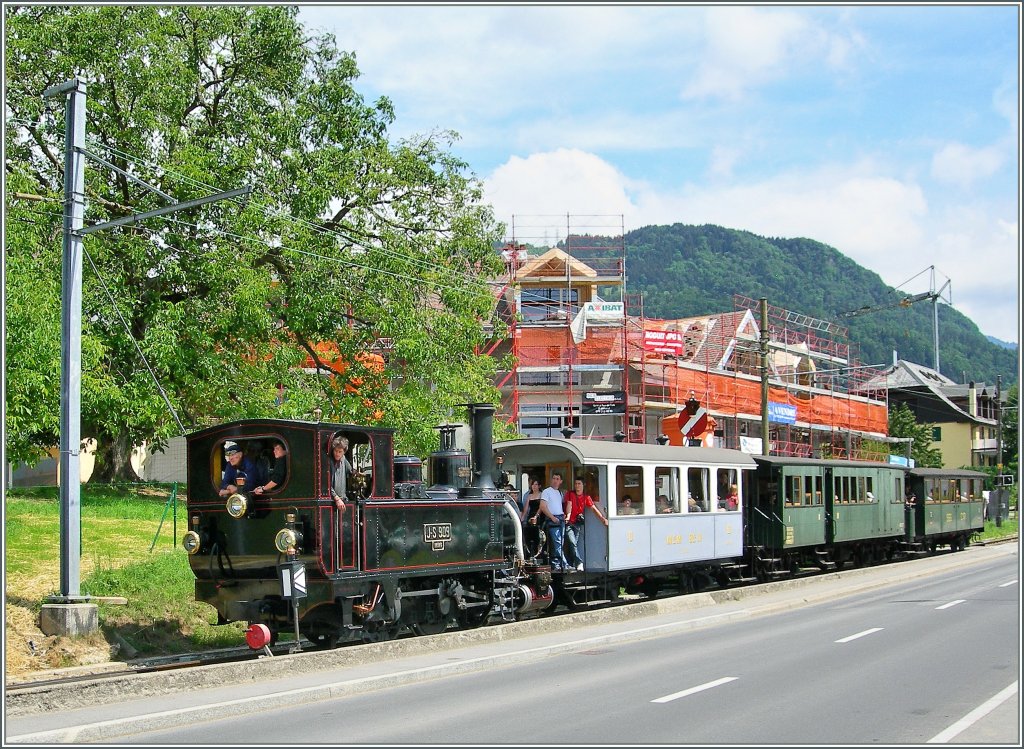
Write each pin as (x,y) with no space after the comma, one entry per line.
(577,502)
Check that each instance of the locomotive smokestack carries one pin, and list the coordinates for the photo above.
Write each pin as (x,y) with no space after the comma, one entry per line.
(481,417)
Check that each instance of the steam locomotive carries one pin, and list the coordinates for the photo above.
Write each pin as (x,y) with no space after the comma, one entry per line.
(407,556)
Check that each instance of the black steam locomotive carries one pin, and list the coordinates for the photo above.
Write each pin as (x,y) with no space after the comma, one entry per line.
(280,555)
(401,554)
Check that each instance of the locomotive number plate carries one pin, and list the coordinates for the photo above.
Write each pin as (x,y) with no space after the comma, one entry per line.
(437,535)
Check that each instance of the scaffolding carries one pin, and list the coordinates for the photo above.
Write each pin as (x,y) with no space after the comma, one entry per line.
(550,370)
(815,378)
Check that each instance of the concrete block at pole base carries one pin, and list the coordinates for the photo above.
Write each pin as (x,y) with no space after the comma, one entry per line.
(69,619)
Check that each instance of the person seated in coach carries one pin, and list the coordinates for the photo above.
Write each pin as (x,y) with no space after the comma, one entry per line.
(731,500)
(626,506)
(692,504)
(664,505)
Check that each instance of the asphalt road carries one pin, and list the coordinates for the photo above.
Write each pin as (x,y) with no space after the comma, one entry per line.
(907,654)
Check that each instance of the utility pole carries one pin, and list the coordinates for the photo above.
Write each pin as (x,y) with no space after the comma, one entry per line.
(71,354)
(70,612)
(1000,491)
(765,446)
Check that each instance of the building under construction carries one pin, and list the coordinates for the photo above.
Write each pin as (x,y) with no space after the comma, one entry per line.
(585,358)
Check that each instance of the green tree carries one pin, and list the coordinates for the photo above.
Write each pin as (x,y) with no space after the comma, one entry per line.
(348,237)
(1011,430)
(903,424)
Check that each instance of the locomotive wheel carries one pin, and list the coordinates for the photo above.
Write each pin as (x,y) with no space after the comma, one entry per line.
(430,625)
(380,632)
(473,618)
(324,640)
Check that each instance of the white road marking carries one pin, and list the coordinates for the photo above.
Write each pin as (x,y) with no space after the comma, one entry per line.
(861,634)
(949,605)
(1007,585)
(974,716)
(694,690)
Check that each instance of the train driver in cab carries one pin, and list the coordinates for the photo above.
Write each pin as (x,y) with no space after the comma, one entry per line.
(240,473)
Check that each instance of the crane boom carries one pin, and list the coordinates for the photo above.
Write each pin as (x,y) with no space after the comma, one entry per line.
(904,302)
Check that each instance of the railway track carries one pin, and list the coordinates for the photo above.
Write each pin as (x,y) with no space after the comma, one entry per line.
(157,664)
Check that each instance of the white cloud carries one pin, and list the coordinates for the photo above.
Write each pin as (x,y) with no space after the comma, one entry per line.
(958,164)
(746,47)
(559,182)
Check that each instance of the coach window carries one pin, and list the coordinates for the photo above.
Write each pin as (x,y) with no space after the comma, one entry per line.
(794,490)
(946,490)
(808,491)
(897,497)
(666,488)
(818,500)
(728,484)
(697,486)
(629,482)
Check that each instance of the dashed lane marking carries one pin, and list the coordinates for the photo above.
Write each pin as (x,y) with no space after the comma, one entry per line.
(865,633)
(694,690)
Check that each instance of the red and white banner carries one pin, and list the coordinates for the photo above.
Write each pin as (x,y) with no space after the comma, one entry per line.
(664,342)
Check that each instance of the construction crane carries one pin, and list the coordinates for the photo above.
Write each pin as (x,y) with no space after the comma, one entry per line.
(933,294)
(904,302)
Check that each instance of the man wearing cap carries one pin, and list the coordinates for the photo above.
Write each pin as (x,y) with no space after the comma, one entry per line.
(240,473)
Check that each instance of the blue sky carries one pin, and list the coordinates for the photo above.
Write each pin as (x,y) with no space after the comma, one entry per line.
(888,132)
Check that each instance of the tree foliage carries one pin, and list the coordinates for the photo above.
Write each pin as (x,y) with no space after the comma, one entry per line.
(903,424)
(347,238)
(1011,430)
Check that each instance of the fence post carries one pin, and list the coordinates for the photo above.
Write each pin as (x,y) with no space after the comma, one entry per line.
(171,500)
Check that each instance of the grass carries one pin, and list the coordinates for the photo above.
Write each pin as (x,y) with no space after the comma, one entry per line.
(1005,530)
(119,525)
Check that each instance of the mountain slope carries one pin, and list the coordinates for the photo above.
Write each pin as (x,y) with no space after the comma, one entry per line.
(684,270)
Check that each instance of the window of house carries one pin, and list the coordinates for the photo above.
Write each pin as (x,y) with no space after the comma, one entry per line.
(936,434)
(549,304)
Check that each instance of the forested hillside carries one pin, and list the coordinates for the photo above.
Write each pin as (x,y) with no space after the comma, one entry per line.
(685,270)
